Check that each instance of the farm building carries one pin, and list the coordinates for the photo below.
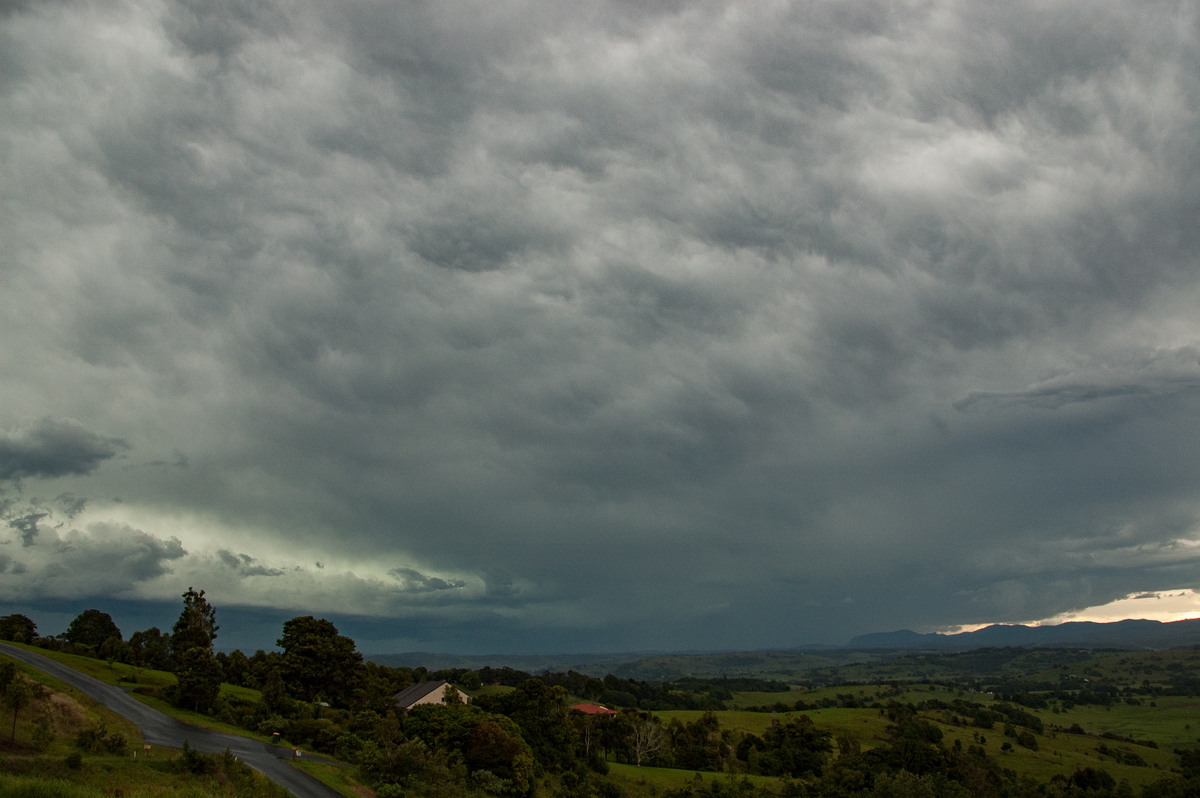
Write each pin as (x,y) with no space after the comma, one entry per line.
(593,709)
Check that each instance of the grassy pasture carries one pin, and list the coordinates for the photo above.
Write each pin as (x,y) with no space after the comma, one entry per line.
(748,699)
(1156,668)
(1059,753)
(673,778)
(1173,723)
(490,690)
(863,693)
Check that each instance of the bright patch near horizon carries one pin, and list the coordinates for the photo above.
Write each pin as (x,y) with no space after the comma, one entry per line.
(1153,605)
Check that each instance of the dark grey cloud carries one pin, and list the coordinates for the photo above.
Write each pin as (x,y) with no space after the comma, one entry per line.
(9,565)
(14,6)
(53,448)
(27,527)
(697,324)
(101,560)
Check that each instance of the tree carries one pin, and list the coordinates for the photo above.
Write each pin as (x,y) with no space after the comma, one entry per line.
(1092,780)
(264,667)
(489,744)
(647,739)
(794,748)
(495,746)
(593,731)
(197,672)
(699,745)
(91,628)
(237,667)
(616,736)
(197,624)
(150,649)
(540,711)
(18,694)
(907,785)
(198,679)
(114,649)
(318,663)
(18,628)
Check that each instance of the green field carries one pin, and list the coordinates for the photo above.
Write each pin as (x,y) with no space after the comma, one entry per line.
(673,778)
(1169,724)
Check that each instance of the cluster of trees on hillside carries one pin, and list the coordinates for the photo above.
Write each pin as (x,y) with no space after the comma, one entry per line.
(317,691)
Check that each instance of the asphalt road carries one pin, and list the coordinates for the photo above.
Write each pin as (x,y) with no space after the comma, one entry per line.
(159,729)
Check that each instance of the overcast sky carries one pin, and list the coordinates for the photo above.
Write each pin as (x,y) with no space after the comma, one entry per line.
(540,326)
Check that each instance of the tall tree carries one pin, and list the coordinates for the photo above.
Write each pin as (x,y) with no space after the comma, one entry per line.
(91,628)
(197,672)
(197,624)
(647,739)
(198,679)
(319,663)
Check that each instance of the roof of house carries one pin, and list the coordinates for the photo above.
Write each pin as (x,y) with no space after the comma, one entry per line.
(410,695)
(594,709)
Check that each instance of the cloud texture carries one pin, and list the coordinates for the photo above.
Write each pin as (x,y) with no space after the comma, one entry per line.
(524,327)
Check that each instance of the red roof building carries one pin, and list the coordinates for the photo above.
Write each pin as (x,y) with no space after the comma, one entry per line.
(593,709)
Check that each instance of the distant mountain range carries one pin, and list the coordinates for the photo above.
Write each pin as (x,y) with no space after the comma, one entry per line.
(786,664)
(1130,634)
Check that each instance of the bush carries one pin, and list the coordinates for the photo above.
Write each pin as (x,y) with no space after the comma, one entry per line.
(42,736)
(99,740)
(194,762)
(389,791)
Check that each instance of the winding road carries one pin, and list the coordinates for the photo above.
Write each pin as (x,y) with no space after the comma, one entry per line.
(159,729)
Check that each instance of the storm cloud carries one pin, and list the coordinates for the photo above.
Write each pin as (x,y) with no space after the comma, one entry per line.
(103,560)
(53,448)
(695,325)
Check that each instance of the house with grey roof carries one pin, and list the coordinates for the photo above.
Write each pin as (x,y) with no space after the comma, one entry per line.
(429,693)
